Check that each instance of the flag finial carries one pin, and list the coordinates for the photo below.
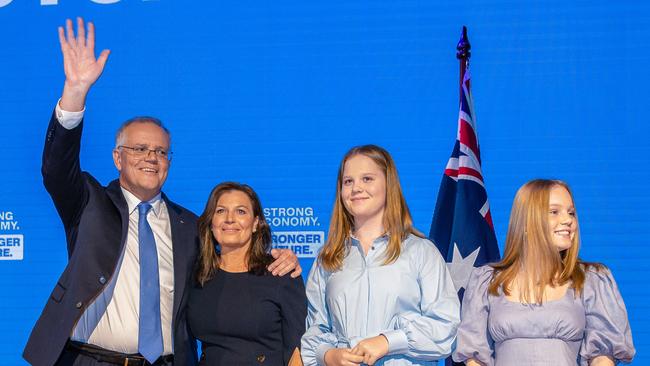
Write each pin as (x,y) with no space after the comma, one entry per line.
(463,48)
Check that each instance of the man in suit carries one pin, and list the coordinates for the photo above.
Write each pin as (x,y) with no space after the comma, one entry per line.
(131,250)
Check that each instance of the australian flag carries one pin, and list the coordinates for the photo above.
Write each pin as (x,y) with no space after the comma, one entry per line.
(462,226)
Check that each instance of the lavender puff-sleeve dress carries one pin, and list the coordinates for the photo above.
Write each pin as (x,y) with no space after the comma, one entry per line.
(569,331)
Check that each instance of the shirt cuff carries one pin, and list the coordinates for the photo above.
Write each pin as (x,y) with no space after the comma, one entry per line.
(320,353)
(353,341)
(68,120)
(397,341)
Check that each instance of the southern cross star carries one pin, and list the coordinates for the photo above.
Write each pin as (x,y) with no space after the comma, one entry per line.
(461,268)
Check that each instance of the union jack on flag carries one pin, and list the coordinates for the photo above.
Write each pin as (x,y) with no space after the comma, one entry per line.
(462,227)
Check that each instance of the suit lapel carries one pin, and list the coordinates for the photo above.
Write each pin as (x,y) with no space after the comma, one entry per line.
(114,192)
(180,241)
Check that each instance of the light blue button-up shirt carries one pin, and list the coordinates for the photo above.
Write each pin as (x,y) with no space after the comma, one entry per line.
(411,301)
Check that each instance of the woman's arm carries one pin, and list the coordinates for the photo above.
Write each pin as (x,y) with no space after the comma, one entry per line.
(428,334)
(474,345)
(607,330)
(318,339)
(293,310)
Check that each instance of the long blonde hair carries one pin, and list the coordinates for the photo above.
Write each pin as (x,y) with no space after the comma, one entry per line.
(397,219)
(530,250)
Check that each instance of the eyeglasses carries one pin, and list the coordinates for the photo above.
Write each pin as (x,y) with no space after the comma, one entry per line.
(143,152)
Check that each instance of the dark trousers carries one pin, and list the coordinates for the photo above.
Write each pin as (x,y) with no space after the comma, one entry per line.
(71,357)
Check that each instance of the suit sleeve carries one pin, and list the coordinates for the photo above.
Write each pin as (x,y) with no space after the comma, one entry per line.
(62,174)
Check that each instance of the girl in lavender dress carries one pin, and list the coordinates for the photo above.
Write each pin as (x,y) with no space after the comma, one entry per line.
(542,305)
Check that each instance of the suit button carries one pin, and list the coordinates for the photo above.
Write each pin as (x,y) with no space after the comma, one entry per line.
(102,280)
(78,305)
(261,358)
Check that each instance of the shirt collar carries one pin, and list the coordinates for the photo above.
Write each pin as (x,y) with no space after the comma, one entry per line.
(132,202)
(381,240)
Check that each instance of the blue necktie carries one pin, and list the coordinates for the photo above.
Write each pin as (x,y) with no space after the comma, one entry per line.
(150,343)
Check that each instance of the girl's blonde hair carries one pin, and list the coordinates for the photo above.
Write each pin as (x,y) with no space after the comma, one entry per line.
(397,219)
(530,250)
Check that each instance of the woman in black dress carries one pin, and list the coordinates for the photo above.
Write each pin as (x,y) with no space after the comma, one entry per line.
(241,313)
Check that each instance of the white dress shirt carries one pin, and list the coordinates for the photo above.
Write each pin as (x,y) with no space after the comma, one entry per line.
(111,320)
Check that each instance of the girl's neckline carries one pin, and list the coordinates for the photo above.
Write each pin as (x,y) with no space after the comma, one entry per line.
(548,302)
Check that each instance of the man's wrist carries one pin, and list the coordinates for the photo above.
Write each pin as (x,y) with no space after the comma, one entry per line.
(73,98)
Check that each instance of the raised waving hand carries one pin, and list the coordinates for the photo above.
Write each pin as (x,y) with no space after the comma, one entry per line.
(81,67)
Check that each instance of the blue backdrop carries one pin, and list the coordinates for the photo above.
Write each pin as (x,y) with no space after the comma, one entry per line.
(273,93)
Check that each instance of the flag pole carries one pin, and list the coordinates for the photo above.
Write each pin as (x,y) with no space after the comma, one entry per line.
(461,227)
(463,54)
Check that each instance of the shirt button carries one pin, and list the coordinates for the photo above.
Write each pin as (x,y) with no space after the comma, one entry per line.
(78,305)
(372,247)
(102,280)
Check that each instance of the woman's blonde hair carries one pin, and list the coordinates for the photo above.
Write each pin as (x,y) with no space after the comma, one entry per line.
(397,219)
(530,250)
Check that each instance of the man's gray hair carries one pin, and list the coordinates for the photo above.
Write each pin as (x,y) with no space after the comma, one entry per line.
(119,135)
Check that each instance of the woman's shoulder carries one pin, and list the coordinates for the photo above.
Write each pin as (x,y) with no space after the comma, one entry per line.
(481,276)
(287,280)
(277,280)
(420,248)
(415,241)
(483,271)
(478,284)
(597,275)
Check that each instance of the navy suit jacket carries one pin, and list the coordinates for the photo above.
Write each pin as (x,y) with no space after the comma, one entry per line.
(95,220)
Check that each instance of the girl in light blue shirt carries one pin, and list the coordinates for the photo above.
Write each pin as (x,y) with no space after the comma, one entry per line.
(379,293)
